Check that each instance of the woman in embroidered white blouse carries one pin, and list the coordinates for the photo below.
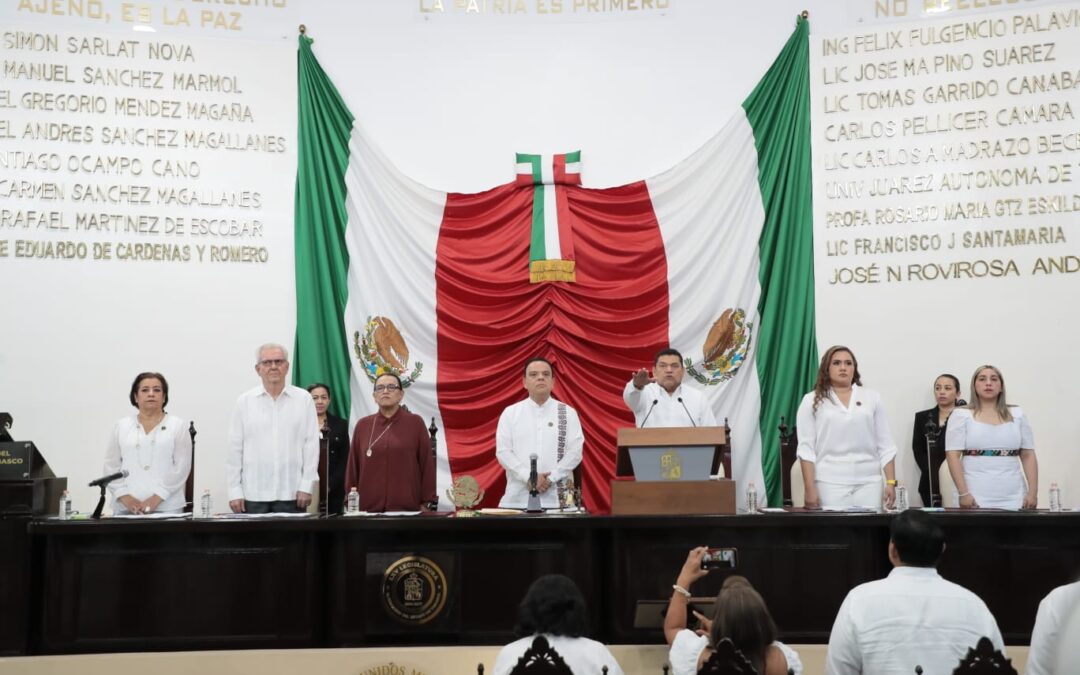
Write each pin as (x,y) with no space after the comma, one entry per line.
(991,450)
(154,447)
(844,439)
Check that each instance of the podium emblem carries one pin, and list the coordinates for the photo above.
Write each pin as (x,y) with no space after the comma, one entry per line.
(414,590)
(670,465)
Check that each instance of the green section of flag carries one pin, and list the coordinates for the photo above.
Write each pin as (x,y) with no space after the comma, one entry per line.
(321,350)
(779,113)
(537,245)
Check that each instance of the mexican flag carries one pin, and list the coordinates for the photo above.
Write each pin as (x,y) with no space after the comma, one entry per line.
(454,292)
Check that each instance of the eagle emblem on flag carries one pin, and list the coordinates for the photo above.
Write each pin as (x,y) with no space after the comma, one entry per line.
(382,349)
(724,350)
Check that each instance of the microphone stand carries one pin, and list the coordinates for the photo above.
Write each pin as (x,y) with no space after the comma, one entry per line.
(100,505)
(931,441)
(534,494)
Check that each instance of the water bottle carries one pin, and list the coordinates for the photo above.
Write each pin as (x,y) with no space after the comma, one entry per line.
(353,505)
(63,510)
(751,498)
(901,498)
(206,504)
(1055,497)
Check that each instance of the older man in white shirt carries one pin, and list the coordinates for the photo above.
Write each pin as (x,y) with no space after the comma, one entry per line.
(911,618)
(662,400)
(272,457)
(543,426)
(1054,611)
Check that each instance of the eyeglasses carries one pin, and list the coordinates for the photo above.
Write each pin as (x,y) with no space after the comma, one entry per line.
(387,387)
(270,363)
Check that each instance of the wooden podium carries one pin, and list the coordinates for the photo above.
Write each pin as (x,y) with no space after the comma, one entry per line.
(670,497)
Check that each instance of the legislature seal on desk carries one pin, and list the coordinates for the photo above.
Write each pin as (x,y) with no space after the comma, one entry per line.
(414,590)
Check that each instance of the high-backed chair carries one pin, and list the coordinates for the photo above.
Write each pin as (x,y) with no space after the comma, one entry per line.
(726,659)
(789,443)
(189,486)
(725,451)
(541,659)
(984,659)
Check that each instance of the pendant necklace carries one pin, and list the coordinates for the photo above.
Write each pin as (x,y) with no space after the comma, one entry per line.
(372,443)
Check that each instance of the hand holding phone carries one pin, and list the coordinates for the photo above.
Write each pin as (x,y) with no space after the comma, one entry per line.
(719,559)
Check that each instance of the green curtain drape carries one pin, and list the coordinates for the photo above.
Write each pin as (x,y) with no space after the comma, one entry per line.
(779,112)
(321,350)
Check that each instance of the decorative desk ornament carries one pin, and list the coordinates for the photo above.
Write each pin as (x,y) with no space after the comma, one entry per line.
(465,495)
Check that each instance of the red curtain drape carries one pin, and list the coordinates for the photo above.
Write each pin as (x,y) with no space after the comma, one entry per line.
(596,330)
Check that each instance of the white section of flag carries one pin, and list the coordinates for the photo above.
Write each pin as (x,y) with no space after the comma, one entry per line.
(710,214)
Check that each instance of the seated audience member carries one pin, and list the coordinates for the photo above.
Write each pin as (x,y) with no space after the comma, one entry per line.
(844,439)
(991,450)
(333,450)
(154,447)
(739,614)
(911,618)
(553,607)
(946,392)
(1054,612)
(390,462)
(543,426)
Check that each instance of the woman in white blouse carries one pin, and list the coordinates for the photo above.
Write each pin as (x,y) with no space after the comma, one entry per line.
(739,615)
(844,439)
(154,447)
(991,450)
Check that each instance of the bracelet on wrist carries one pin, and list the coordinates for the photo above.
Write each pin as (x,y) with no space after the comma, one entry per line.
(891,481)
(682,591)
(964,494)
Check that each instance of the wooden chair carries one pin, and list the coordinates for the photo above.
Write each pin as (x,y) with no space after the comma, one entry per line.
(727,660)
(541,659)
(189,486)
(983,659)
(789,444)
(433,431)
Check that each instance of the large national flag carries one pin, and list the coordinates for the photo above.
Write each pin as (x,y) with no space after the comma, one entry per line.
(454,292)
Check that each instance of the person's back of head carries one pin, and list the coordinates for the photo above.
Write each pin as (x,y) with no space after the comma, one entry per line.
(917,539)
(553,605)
(741,616)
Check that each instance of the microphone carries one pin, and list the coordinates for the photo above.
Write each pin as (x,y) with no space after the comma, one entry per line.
(533,476)
(687,412)
(533,505)
(105,480)
(960,403)
(654,402)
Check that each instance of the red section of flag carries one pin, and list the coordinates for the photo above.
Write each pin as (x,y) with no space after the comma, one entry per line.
(596,331)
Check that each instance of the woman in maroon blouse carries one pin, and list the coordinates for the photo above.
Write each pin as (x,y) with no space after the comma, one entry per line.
(390,461)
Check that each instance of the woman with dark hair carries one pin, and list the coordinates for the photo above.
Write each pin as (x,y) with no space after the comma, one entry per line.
(936,420)
(844,439)
(154,448)
(333,450)
(553,607)
(991,450)
(739,614)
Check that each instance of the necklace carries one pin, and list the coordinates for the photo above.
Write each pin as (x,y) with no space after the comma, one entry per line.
(372,443)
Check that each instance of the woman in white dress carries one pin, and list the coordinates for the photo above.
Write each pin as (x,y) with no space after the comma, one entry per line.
(154,447)
(991,450)
(844,439)
(739,614)
(554,608)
